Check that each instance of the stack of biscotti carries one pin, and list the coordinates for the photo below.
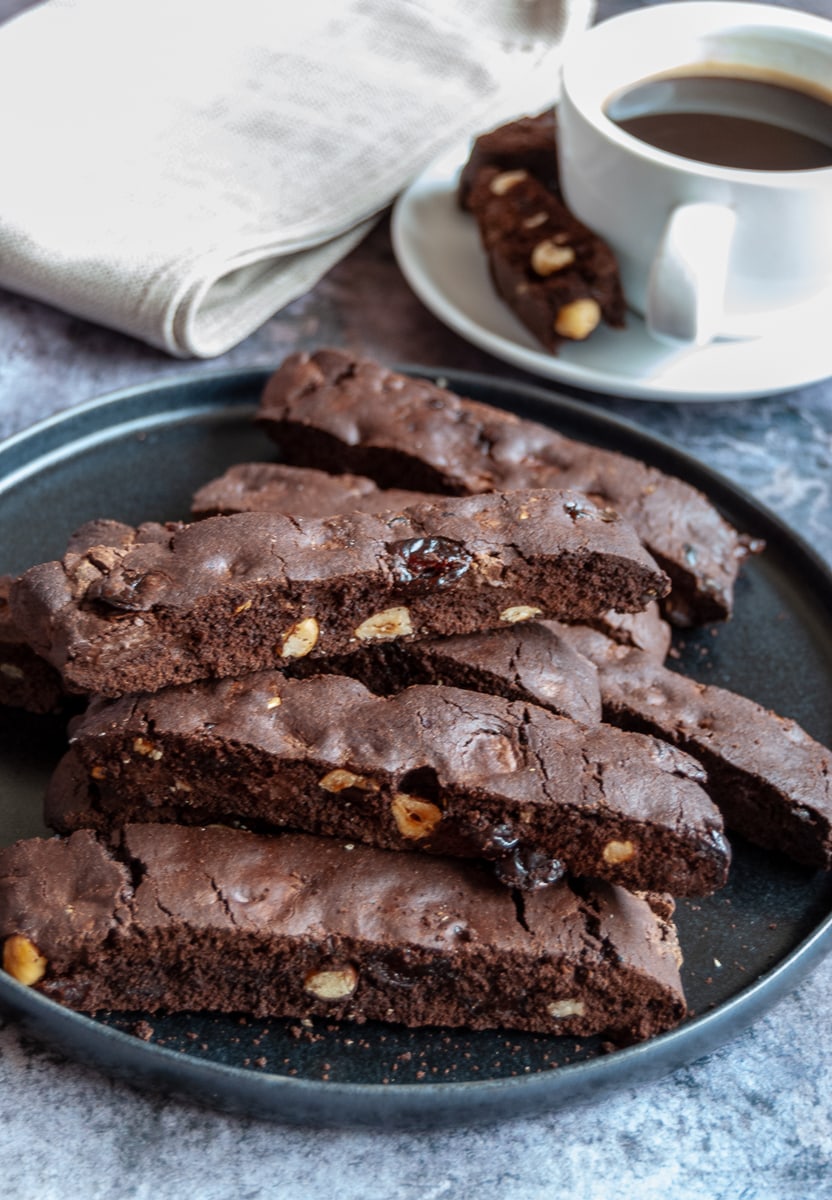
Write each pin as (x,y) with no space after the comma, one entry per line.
(220,606)
(768,777)
(558,277)
(182,629)
(406,686)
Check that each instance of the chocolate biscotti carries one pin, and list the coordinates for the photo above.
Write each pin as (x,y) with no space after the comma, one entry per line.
(178,919)
(770,779)
(302,491)
(337,412)
(525,144)
(558,277)
(234,594)
(538,662)
(26,680)
(645,631)
(438,769)
(528,661)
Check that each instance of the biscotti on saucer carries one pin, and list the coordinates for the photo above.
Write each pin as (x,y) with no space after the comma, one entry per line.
(525,144)
(560,279)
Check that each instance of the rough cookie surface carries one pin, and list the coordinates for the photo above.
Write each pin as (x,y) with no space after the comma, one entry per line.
(527,661)
(234,594)
(302,491)
(338,412)
(299,926)
(770,779)
(434,768)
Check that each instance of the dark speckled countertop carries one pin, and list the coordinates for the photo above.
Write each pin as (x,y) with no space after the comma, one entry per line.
(753,1120)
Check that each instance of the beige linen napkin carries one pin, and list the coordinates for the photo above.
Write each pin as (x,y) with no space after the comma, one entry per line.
(182,169)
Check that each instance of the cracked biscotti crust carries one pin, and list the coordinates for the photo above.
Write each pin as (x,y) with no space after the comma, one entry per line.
(770,779)
(302,491)
(177,919)
(434,768)
(229,595)
(335,411)
(528,661)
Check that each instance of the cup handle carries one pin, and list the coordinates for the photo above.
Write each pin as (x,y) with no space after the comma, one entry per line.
(686,287)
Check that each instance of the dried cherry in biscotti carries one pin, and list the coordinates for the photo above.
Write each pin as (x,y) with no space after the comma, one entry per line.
(435,560)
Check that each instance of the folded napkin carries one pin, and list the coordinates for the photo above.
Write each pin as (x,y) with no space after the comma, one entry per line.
(182,169)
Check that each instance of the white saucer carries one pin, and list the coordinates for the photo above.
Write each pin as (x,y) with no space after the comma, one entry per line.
(437,248)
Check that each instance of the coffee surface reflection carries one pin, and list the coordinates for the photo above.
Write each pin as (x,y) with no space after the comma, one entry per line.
(757,124)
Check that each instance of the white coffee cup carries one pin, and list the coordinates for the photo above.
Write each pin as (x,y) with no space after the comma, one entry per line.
(704,251)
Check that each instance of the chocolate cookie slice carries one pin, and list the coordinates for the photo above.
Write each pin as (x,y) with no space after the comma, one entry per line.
(529,661)
(535,661)
(233,594)
(557,276)
(26,680)
(302,491)
(337,412)
(216,919)
(770,779)
(434,768)
(645,631)
(525,144)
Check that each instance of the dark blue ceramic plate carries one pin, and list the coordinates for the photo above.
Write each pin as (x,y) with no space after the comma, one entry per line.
(139,455)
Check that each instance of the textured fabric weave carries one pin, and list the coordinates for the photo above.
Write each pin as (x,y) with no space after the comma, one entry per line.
(181,170)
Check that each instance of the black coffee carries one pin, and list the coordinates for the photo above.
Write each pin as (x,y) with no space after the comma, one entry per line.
(731,121)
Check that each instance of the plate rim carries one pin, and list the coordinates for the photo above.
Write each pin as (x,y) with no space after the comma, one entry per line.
(320,1103)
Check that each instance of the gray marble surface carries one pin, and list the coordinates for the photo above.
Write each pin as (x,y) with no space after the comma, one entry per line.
(751,1121)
